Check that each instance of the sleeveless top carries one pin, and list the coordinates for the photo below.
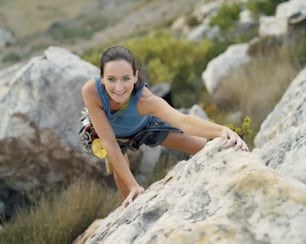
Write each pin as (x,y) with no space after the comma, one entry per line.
(124,122)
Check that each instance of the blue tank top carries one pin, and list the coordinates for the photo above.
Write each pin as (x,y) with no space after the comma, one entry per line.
(129,121)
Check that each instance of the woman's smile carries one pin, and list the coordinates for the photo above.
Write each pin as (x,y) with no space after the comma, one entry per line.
(120,97)
(119,93)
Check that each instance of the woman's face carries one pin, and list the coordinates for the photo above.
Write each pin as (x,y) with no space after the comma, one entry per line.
(119,80)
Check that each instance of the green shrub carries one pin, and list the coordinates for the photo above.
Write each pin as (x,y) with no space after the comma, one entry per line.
(12,57)
(159,71)
(192,20)
(245,131)
(266,7)
(226,16)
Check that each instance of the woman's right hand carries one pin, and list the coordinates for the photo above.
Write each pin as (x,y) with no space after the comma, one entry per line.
(134,193)
(232,139)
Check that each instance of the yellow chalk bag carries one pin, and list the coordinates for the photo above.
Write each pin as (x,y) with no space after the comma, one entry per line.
(99,151)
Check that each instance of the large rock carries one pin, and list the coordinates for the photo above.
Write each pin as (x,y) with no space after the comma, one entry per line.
(6,37)
(278,25)
(290,8)
(218,196)
(40,104)
(203,31)
(289,112)
(272,26)
(286,153)
(222,65)
(281,140)
(47,91)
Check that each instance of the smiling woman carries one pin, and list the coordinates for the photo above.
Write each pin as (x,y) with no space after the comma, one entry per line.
(126,114)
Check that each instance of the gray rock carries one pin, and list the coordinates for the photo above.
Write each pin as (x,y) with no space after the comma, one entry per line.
(203,31)
(222,65)
(281,140)
(40,106)
(286,153)
(272,26)
(47,91)
(290,8)
(6,37)
(278,25)
(245,17)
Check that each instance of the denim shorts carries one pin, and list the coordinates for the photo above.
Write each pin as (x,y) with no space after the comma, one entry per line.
(152,134)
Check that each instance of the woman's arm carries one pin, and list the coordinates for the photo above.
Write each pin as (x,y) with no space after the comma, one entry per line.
(105,132)
(193,125)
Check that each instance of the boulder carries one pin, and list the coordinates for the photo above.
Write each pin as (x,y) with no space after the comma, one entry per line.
(278,25)
(47,91)
(281,140)
(289,8)
(272,26)
(286,153)
(245,17)
(222,65)
(40,104)
(203,31)
(6,37)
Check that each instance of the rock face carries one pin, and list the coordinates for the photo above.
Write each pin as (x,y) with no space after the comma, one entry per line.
(289,112)
(286,153)
(278,25)
(281,140)
(218,196)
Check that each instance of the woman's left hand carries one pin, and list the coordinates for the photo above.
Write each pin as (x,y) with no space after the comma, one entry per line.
(232,139)
(134,193)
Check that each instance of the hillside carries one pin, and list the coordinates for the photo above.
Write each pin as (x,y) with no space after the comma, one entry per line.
(79,25)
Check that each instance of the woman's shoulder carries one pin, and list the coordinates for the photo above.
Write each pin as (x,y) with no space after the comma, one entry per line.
(148,102)
(146,95)
(89,91)
(89,86)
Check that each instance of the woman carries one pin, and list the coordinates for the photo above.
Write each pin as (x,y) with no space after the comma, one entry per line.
(125,114)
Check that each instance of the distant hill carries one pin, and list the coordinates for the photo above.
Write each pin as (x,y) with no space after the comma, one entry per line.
(79,25)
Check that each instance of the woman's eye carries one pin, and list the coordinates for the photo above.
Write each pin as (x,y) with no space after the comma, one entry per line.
(111,79)
(126,78)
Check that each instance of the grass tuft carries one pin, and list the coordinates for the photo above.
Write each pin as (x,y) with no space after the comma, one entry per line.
(61,217)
